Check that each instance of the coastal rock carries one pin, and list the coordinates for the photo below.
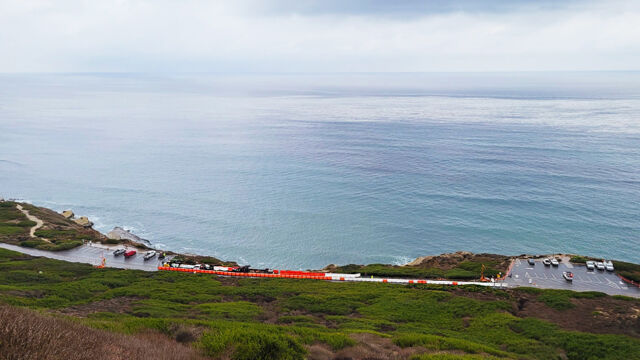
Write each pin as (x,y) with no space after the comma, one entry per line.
(68,214)
(119,233)
(438,260)
(84,221)
(330,268)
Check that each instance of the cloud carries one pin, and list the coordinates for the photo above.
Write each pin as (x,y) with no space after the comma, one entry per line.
(317,36)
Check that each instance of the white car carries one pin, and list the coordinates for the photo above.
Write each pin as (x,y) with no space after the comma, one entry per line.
(546,262)
(591,265)
(600,265)
(608,265)
(554,262)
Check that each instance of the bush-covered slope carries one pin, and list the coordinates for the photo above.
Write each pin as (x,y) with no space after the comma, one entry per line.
(57,233)
(294,319)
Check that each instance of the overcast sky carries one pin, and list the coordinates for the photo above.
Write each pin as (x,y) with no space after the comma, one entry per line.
(317,36)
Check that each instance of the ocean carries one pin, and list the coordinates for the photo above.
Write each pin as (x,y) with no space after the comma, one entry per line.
(300,171)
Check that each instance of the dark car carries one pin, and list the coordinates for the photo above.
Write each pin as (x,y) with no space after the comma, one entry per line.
(531,262)
(119,252)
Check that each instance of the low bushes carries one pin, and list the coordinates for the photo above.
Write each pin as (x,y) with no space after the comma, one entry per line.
(60,245)
(628,270)
(465,270)
(251,344)
(279,318)
(435,342)
(579,259)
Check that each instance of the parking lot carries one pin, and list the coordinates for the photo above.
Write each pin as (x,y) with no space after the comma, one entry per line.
(93,255)
(539,275)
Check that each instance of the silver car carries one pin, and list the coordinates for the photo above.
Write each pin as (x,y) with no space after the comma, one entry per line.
(600,265)
(591,265)
(608,265)
(554,262)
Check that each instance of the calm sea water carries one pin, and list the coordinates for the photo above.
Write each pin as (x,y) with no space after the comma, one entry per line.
(303,171)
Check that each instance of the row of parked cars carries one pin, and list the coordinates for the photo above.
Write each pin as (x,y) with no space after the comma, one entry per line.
(600,265)
(591,265)
(546,262)
(129,253)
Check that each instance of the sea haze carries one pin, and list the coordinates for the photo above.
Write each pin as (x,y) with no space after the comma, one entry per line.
(300,171)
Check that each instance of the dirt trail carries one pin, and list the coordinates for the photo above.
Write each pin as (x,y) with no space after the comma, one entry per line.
(39,223)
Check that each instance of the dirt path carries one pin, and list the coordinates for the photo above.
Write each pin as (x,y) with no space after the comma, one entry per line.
(39,223)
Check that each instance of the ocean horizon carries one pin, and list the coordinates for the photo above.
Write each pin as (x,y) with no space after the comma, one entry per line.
(304,170)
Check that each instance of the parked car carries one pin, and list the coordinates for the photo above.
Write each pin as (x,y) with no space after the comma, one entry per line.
(531,262)
(119,252)
(600,265)
(149,254)
(568,275)
(546,262)
(591,265)
(130,253)
(554,262)
(608,265)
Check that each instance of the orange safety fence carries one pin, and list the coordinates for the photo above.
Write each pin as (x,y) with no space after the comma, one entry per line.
(231,273)
(280,274)
(629,281)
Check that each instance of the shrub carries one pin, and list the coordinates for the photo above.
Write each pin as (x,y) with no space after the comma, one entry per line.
(558,300)
(251,344)
(578,259)
(451,357)
(32,243)
(60,246)
(241,310)
(435,342)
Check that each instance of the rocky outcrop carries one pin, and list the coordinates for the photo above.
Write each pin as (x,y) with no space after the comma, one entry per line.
(119,233)
(431,261)
(452,260)
(83,221)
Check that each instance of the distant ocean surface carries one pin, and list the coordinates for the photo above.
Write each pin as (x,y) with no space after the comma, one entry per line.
(300,171)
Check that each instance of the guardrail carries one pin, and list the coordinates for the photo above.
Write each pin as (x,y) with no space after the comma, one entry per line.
(317,276)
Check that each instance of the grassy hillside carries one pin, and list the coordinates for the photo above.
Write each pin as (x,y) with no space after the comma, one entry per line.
(56,234)
(294,319)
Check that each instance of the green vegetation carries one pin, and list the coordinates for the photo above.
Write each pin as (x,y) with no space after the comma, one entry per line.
(13,223)
(465,270)
(281,318)
(628,270)
(579,259)
(57,233)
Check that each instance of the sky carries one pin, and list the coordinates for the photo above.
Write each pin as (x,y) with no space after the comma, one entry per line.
(282,36)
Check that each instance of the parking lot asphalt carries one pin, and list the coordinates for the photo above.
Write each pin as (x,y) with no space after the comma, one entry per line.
(550,277)
(92,254)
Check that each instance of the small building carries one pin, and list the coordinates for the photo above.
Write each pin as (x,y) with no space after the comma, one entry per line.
(84,221)
(68,214)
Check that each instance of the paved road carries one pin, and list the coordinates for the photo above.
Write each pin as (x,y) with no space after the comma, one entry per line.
(92,255)
(539,275)
(522,274)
